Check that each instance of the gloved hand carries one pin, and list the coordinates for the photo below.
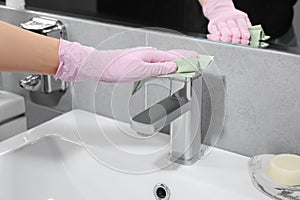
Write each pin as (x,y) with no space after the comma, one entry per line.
(226,23)
(78,63)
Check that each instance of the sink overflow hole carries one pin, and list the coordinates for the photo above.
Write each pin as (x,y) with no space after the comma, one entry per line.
(161,192)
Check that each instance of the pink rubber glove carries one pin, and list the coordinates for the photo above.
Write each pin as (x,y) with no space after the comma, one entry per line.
(78,63)
(226,23)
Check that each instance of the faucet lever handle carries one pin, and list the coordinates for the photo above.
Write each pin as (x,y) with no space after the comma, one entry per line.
(42,25)
(31,82)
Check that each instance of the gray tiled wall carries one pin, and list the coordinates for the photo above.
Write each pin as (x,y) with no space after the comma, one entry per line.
(296,21)
(261,109)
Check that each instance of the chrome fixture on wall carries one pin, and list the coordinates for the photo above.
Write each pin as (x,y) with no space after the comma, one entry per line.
(182,110)
(44,83)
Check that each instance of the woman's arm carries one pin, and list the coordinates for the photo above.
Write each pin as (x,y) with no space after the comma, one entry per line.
(25,51)
(202,2)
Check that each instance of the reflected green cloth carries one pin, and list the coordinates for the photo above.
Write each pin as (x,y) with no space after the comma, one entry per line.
(186,67)
(257,36)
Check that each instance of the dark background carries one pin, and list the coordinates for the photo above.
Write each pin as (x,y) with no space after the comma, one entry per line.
(180,15)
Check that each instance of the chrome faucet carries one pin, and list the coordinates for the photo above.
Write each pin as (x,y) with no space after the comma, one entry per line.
(37,82)
(182,111)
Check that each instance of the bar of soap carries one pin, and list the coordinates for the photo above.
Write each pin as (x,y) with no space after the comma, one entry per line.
(285,169)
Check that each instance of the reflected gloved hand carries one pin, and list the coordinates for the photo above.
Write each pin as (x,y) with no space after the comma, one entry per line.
(79,62)
(226,23)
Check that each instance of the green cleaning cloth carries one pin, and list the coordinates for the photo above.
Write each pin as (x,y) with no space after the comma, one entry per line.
(186,68)
(257,36)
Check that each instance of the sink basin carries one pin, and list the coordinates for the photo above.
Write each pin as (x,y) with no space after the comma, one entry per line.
(68,158)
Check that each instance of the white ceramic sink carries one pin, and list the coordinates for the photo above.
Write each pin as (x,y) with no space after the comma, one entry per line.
(51,163)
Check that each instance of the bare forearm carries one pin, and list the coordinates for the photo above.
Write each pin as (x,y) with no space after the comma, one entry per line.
(25,51)
(202,2)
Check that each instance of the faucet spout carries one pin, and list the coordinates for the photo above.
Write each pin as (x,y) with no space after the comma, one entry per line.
(181,110)
(161,114)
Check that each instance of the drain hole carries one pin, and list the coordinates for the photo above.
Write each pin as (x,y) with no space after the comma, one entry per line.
(161,192)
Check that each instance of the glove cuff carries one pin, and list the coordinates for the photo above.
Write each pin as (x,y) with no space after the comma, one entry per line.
(71,57)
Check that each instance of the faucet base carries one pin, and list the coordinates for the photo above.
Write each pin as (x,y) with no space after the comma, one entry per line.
(183,161)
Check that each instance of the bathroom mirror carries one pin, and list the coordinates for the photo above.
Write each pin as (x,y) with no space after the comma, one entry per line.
(280,19)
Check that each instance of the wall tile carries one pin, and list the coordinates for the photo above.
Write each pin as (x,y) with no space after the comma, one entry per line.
(38,114)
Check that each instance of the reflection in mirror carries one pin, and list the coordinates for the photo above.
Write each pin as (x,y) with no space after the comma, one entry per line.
(223,19)
(276,17)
